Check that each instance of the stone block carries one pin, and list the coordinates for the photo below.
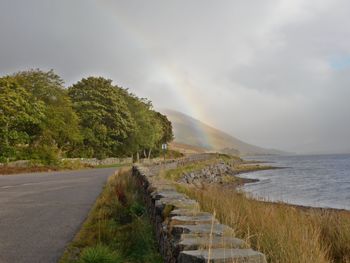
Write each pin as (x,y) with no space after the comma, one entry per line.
(188,212)
(221,255)
(193,242)
(201,230)
(193,220)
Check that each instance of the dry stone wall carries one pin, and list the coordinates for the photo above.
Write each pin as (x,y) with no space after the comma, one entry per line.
(87,161)
(184,233)
(96,162)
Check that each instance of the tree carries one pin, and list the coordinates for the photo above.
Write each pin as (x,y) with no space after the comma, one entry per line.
(148,130)
(167,128)
(40,119)
(105,117)
(21,118)
(61,124)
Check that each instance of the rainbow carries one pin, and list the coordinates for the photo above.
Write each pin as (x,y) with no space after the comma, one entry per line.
(181,87)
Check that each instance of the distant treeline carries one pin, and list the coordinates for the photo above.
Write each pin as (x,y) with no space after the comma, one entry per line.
(42,120)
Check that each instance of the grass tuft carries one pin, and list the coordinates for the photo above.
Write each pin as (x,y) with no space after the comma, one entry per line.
(99,254)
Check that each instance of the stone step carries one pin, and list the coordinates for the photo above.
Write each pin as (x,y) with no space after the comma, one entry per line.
(168,193)
(184,203)
(194,242)
(188,212)
(193,220)
(177,202)
(221,256)
(202,230)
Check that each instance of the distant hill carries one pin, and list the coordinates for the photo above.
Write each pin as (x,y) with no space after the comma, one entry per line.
(190,131)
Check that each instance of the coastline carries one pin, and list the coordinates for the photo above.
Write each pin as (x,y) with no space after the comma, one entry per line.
(303,233)
(241,181)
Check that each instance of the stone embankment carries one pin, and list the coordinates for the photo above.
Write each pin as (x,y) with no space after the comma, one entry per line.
(214,173)
(184,233)
(96,162)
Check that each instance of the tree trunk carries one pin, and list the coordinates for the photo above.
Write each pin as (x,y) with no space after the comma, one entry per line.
(149,153)
(144,153)
(138,157)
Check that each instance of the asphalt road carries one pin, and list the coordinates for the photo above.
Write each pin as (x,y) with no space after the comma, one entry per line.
(40,213)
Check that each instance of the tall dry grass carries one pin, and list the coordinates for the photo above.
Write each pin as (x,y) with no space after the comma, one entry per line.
(282,232)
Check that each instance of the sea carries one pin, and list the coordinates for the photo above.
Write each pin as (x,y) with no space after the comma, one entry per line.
(307,180)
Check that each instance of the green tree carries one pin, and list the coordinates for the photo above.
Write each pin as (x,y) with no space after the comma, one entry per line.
(61,124)
(105,117)
(148,129)
(167,128)
(21,118)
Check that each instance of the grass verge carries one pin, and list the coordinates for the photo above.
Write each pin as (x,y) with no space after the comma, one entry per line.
(117,228)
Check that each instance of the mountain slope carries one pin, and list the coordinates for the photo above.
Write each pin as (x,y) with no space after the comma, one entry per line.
(193,132)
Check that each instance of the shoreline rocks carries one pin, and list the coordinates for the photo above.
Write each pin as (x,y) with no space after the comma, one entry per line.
(218,173)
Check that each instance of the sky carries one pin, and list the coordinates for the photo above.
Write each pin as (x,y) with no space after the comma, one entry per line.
(274,73)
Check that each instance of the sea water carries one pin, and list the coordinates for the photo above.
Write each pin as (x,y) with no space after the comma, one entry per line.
(308,180)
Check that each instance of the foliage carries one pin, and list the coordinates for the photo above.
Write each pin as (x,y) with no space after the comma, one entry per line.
(41,120)
(167,128)
(21,118)
(61,124)
(105,118)
(148,131)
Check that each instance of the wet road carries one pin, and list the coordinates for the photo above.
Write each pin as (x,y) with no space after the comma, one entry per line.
(40,213)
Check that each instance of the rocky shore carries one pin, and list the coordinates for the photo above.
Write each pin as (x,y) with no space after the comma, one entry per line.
(221,173)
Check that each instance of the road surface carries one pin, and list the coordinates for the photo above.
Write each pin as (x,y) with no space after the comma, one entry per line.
(40,213)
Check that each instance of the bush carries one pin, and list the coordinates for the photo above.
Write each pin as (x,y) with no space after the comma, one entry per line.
(42,154)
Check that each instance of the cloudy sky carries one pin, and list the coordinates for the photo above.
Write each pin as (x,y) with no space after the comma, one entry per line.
(275,73)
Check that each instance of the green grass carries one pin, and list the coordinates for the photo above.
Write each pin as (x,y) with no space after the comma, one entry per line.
(117,228)
(99,254)
(245,168)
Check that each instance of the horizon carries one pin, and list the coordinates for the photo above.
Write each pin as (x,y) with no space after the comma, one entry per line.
(271,74)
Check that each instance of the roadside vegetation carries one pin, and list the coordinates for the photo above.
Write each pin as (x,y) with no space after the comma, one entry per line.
(37,166)
(117,229)
(284,233)
(43,121)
